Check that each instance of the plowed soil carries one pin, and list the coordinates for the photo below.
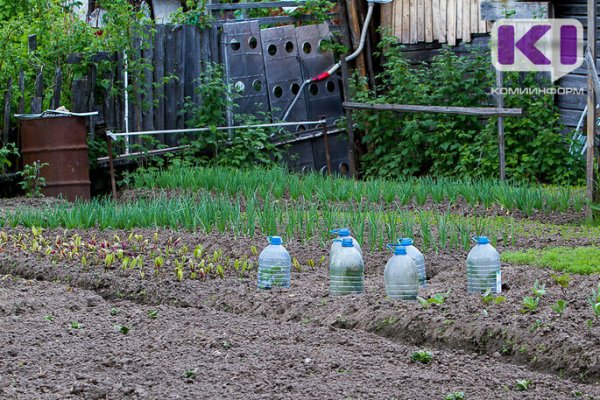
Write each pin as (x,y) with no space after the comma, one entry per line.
(296,343)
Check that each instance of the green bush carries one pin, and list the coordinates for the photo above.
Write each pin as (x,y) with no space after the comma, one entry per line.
(459,145)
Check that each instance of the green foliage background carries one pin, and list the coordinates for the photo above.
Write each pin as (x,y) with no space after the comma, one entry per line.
(458,145)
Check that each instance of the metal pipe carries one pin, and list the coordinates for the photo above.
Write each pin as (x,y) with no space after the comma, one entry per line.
(114,136)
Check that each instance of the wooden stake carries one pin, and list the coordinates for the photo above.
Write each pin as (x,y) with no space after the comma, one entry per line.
(349,123)
(591,115)
(500,103)
(326,140)
(111,167)
(354,23)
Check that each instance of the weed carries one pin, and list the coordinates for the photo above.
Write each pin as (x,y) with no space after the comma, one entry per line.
(580,260)
(122,328)
(48,317)
(594,300)
(114,311)
(76,325)
(455,396)
(422,356)
(227,344)
(523,384)
(563,280)
(153,314)
(190,373)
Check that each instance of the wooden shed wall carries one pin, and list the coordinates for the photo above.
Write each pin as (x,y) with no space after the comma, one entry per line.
(571,106)
(444,21)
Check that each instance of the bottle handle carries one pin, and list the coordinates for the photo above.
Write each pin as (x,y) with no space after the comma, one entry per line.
(392,246)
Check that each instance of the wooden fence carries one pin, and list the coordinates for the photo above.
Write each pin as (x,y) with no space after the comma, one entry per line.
(444,21)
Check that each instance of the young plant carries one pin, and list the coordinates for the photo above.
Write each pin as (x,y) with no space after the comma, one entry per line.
(153,314)
(537,290)
(488,298)
(422,356)
(559,307)
(523,384)
(455,396)
(530,304)
(114,311)
(33,181)
(122,328)
(594,301)
(438,299)
(563,280)
(76,325)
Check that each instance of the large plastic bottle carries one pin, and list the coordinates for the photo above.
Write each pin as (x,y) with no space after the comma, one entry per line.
(417,257)
(274,265)
(483,267)
(342,233)
(401,276)
(346,270)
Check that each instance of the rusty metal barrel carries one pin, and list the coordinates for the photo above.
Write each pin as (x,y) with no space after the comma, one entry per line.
(60,141)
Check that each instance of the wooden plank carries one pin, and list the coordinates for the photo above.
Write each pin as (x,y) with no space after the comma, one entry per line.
(387,16)
(148,90)
(428,21)
(500,104)
(171,85)
(497,10)
(436,19)
(401,108)
(443,16)
(459,19)
(482,25)
(247,6)
(451,21)
(159,75)
(7,102)
(58,79)
(405,21)
(592,190)
(21,109)
(110,112)
(474,16)
(180,40)
(414,18)
(273,20)
(466,28)
(192,64)
(355,29)
(420,20)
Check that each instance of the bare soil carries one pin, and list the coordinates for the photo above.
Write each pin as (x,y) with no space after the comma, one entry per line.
(192,353)
(364,342)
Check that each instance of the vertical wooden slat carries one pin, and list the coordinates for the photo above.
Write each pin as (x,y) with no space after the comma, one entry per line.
(110,112)
(170,86)
(21,109)
(387,16)
(91,104)
(398,19)
(591,186)
(466,21)
(482,23)
(459,18)
(191,57)
(159,75)
(428,21)
(58,78)
(180,40)
(414,18)
(406,21)
(7,101)
(474,16)
(38,98)
(443,17)
(451,21)
(148,89)
(421,20)
(436,19)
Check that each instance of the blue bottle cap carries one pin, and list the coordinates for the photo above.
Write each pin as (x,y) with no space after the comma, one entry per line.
(347,242)
(406,242)
(276,240)
(342,232)
(483,240)
(400,251)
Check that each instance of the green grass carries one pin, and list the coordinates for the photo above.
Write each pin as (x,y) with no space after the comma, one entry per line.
(579,260)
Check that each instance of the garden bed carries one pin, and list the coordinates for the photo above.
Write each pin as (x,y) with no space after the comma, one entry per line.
(541,340)
(174,352)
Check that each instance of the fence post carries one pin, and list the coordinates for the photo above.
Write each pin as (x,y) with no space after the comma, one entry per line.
(349,123)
